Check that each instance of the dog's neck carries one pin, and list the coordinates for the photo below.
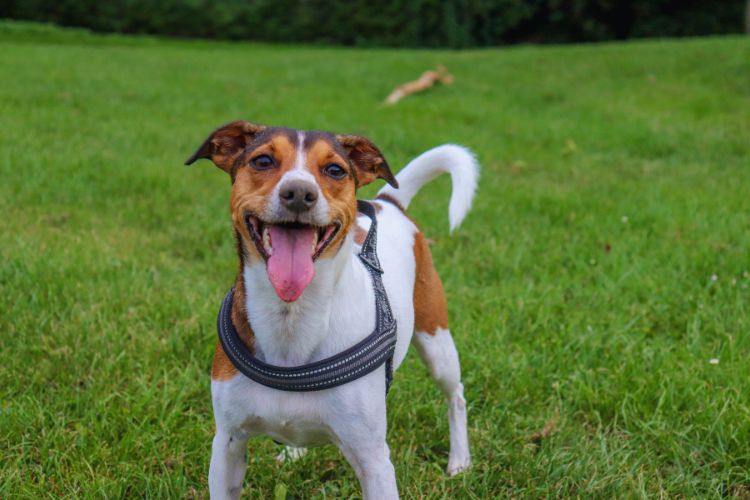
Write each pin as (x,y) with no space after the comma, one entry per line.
(290,334)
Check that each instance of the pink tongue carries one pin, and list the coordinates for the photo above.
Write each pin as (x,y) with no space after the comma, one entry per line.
(290,268)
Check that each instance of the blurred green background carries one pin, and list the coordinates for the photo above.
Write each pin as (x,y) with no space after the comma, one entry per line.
(397,23)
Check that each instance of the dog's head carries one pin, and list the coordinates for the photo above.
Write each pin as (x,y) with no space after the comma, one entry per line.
(293,194)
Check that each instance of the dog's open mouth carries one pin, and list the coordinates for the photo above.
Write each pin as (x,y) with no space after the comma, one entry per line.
(290,250)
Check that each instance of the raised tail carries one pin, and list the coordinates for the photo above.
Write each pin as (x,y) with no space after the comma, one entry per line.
(455,160)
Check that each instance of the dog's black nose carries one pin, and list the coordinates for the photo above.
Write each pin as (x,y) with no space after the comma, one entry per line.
(298,195)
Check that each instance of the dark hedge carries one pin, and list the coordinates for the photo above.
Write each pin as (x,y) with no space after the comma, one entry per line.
(414,23)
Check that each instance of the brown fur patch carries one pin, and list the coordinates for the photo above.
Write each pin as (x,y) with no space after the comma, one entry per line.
(430,306)
(340,195)
(222,368)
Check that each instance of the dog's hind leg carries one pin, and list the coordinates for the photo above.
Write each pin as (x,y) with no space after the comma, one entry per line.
(439,355)
(228,464)
(435,346)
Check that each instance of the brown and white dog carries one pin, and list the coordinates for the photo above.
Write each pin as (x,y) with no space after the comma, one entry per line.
(302,296)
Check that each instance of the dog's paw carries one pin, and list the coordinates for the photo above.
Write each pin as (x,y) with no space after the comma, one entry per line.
(290,454)
(456,465)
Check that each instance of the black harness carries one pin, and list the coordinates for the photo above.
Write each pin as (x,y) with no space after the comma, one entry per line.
(351,364)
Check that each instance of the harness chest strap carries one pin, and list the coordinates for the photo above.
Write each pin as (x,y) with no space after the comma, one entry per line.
(351,364)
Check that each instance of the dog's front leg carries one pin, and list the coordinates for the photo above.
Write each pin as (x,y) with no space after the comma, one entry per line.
(372,463)
(228,464)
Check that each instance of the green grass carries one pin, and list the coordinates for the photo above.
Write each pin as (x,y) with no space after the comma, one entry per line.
(604,264)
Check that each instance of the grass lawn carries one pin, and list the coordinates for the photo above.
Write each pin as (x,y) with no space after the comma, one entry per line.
(600,287)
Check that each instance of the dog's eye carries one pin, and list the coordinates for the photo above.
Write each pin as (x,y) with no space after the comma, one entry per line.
(262,162)
(335,171)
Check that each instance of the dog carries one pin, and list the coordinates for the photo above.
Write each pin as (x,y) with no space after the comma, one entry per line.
(301,295)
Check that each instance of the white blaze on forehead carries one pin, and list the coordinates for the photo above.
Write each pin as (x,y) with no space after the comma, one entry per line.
(300,163)
(299,170)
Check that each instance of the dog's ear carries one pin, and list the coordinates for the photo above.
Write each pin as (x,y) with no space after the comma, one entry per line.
(225,143)
(367,160)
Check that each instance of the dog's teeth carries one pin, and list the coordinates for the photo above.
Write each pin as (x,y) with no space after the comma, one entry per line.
(314,242)
(267,242)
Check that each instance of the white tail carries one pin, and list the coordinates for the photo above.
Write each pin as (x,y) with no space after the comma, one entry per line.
(457,161)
